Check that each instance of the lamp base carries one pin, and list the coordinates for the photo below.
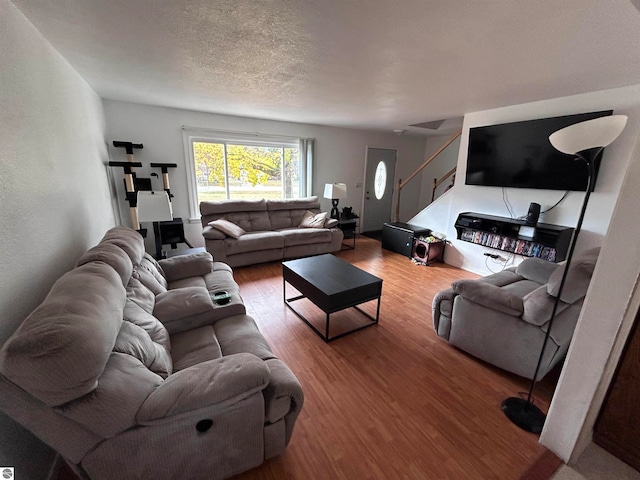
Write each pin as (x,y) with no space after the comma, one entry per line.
(524,414)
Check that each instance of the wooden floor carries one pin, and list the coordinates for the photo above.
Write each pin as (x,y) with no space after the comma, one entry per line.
(393,400)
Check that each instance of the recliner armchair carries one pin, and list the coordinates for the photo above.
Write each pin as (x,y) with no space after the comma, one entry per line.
(503,318)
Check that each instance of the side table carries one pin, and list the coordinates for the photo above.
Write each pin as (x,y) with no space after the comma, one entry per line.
(349,227)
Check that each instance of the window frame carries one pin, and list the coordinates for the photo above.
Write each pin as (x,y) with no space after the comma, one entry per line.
(191,135)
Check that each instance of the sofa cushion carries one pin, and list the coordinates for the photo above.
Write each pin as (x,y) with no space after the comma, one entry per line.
(146,278)
(59,352)
(313,220)
(212,233)
(250,221)
(121,390)
(194,346)
(538,306)
(135,341)
(181,303)
(536,269)
(240,334)
(113,256)
(128,240)
(578,277)
(141,294)
(137,315)
(185,266)
(306,203)
(305,236)
(254,241)
(151,264)
(230,229)
(222,207)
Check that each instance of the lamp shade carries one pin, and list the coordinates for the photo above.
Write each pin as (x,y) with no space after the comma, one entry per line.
(154,207)
(335,190)
(598,132)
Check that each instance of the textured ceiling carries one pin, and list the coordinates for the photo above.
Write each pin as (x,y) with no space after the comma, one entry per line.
(377,64)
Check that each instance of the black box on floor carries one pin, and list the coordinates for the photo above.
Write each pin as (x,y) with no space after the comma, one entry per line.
(398,237)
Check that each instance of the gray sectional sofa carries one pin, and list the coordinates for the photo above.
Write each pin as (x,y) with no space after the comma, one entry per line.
(271,229)
(129,369)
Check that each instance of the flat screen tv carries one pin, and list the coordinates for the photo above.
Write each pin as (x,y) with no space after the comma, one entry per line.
(520,155)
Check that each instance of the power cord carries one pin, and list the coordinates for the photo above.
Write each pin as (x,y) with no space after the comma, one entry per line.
(507,203)
(566,194)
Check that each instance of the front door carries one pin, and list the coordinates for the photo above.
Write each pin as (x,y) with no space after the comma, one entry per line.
(378,192)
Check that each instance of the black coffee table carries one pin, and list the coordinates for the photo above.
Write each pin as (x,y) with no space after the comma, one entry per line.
(332,285)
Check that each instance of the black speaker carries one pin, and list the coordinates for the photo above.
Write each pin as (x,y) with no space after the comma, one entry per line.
(533,213)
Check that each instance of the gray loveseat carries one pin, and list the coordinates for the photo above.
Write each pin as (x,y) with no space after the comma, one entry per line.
(502,318)
(130,371)
(272,231)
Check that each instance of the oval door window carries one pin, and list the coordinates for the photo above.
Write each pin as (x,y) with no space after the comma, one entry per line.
(380,181)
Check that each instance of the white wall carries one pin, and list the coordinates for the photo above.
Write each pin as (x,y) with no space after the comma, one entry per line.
(340,152)
(439,167)
(489,199)
(53,190)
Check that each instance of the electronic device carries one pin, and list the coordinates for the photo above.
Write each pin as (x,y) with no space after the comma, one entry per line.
(533,214)
(221,298)
(520,155)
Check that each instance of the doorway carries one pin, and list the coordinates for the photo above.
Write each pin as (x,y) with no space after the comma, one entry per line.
(378,188)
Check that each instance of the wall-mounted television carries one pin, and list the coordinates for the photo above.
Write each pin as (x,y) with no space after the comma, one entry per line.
(520,155)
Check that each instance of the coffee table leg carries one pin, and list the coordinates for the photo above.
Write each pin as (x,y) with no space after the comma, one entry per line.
(326,335)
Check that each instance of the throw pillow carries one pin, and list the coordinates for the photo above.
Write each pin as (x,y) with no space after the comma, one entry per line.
(228,228)
(313,220)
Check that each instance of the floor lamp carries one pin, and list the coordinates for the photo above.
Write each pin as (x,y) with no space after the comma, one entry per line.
(584,140)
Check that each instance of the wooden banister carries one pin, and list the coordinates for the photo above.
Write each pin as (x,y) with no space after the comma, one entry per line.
(402,184)
(437,183)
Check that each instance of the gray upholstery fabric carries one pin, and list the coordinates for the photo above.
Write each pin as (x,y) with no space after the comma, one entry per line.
(113,256)
(502,318)
(489,296)
(274,221)
(254,241)
(194,346)
(94,374)
(578,278)
(185,266)
(61,349)
(536,269)
(305,236)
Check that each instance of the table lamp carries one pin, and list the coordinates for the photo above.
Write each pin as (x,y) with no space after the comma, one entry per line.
(335,191)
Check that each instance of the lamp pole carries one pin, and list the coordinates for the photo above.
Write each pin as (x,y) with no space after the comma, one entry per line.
(520,411)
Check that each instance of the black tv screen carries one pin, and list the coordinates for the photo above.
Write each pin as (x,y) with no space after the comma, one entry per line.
(520,155)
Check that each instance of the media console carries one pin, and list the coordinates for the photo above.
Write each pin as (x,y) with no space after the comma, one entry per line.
(542,240)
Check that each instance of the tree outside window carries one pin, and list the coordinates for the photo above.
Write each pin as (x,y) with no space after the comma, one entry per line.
(225,170)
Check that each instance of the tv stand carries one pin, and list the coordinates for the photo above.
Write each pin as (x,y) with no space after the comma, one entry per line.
(546,241)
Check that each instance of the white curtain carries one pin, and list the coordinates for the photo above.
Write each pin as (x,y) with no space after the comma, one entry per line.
(307,153)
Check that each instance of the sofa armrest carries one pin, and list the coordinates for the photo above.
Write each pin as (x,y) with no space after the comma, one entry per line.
(331,223)
(225,380)
(490,296)
(175,308)
(184,266)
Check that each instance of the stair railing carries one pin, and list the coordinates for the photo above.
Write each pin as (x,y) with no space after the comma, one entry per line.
(402,184)
(437,183)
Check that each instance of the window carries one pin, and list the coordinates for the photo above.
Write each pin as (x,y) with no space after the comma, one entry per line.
(380,181)
(240,166)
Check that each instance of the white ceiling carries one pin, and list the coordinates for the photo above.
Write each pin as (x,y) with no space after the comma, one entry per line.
(375,64)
